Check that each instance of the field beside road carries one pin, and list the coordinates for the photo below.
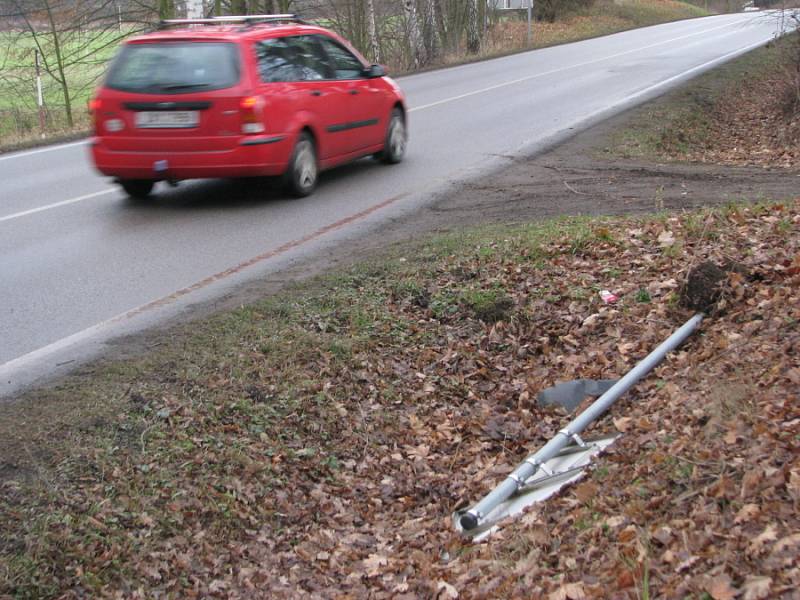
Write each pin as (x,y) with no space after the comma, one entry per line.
(601,18)
(315,441)
(85,56)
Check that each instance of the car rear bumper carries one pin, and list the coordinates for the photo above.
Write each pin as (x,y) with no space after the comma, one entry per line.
(254,156)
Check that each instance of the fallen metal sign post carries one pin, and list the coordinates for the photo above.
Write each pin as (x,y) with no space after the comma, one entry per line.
(567,467)
(514,493)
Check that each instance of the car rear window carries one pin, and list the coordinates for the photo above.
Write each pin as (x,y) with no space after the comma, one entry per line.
(175,67)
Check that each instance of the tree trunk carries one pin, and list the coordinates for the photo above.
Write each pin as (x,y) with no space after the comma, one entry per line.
(165,9)
(62,77)
(442,24)
(430,31)
(415,45)
(372,32)
(473,27)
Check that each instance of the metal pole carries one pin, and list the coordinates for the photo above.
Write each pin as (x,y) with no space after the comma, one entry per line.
(471,518)
(39,96)
(530,22)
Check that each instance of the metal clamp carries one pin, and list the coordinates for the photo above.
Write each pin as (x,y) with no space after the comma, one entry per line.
(539,466)
(517,479)
(574,437)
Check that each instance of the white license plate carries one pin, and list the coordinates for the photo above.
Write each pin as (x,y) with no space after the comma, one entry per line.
(152,119)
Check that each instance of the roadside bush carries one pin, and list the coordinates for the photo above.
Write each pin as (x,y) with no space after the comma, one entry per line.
(550,10)
(21,124)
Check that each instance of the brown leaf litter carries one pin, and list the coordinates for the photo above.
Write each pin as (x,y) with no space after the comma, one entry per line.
(315,446)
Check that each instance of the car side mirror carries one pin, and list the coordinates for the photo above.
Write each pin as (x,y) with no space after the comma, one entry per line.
(374,71)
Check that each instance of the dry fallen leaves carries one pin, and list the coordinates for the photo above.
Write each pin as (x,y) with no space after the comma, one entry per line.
(332,473)
(445,591)
(756,588)
(721,588)
(569,591)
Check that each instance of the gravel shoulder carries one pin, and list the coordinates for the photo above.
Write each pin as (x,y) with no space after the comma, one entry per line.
(585,175)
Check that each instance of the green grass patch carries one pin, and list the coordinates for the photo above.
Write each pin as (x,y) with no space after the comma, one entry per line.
(85,55)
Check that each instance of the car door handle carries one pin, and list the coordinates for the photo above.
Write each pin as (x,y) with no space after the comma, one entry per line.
(316,93)
(353,92)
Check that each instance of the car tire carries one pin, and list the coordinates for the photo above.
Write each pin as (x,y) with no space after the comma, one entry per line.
(137,188)
(394,148)
(303,171)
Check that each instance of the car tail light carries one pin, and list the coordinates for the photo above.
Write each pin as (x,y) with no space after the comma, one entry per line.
(252,108)
(104,121)
(95,104)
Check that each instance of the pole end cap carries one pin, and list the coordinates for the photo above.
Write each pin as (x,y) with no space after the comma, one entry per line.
(468,521)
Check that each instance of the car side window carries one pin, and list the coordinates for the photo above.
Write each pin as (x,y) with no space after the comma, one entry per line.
(310,57)
(290,59)
(274,61)
(345,64)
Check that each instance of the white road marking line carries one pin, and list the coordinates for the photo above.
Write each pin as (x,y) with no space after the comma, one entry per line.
(25,213)
(40,150)
(8,368)
(562,69)
(651,88)
(705,65)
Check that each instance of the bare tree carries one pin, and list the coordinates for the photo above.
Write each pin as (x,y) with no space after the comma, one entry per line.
(407,34)
(166,9)
(415,41)
(473,27)
(372,32)
(430,32)
(73,39)
(441,23)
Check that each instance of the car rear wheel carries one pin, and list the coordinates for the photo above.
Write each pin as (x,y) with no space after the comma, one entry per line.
(394,148)
(301,176)
(137,188)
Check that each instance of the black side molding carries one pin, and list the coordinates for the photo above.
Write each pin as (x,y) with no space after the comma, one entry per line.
(353,125)
(263,140)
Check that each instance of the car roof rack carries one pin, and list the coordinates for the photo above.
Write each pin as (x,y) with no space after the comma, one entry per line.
(245,20)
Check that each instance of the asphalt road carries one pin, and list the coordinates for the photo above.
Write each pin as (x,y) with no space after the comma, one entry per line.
(81,265)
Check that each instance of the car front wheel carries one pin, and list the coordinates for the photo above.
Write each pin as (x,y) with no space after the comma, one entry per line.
(137,188)
(301,176)
(394,148)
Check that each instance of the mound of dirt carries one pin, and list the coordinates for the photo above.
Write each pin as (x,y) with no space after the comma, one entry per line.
(705,286)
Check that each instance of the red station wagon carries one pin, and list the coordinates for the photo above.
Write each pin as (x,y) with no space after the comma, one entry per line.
(242,97)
